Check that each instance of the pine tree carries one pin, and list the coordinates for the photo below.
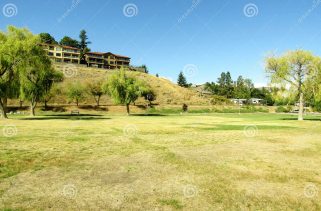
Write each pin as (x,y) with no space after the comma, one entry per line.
(83,46)
(181,81)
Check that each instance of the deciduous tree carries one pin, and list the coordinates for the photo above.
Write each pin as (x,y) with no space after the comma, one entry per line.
(75,92)
(292,71)
(47,38)
(14,45)
(36,77)
(124,89)
(68,41)
(95,89)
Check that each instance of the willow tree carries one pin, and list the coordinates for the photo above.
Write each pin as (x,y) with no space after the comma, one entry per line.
(293,72)
(124,89)
(36,77)
(14,43)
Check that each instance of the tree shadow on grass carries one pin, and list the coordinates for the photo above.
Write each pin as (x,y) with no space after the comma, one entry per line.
(305,119)
(68,117)
(148,115)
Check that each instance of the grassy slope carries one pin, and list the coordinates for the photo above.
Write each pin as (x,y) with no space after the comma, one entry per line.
(203,162)
(166,91)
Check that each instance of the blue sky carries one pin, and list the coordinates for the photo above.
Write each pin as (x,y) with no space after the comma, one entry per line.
(201,37)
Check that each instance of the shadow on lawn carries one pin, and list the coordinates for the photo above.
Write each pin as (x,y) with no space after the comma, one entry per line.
(305,119)
(148,115)
(68,117)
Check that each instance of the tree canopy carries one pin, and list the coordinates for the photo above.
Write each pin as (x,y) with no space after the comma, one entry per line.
(294,74)
(181,81)
(24,67)
(68,41)
(83,45)
(125,89)
(47,38)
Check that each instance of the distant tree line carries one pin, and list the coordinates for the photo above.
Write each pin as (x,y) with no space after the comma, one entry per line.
(295,78)
(242,88)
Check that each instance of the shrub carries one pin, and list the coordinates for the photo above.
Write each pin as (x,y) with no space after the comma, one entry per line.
(282,109)
(185,107)
(220,100)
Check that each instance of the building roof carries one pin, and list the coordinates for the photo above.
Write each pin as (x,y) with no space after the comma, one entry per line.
(63,46)
(97,53)
(118,55)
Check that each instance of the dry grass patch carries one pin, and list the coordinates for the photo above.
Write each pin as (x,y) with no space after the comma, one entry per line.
(175,162)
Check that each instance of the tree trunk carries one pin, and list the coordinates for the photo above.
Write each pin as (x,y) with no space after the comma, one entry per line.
(3,110)
(20,103)
(301,108)
(46,106)
(98,101)
(5,104)
(77,102)
(127,109)
(32,109)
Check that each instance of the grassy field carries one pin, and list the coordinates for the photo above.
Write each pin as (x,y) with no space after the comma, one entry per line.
(161,162)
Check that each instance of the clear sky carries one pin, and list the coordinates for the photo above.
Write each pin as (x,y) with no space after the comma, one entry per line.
(201,37)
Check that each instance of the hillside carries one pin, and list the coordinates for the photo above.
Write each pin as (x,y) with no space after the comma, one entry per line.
(167,93)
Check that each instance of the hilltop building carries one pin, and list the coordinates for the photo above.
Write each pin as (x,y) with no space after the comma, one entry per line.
(66,54)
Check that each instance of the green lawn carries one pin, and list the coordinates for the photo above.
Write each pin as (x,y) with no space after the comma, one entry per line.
(161,162)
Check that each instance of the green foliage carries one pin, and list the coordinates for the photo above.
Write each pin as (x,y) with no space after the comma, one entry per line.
(220,100)
(317,106)
(149,95)
(83,45)
(181,81)
(68,41)
(243,88)
(283,109)
(51,89)
(47,38)
(37,76)
(124,89)
(95,89)
(225,85)
(75,92)
(292,73)
(15,48)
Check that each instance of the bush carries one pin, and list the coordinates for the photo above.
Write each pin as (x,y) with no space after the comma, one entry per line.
(282,109)
(220,100)
(185,107)
(317,106)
